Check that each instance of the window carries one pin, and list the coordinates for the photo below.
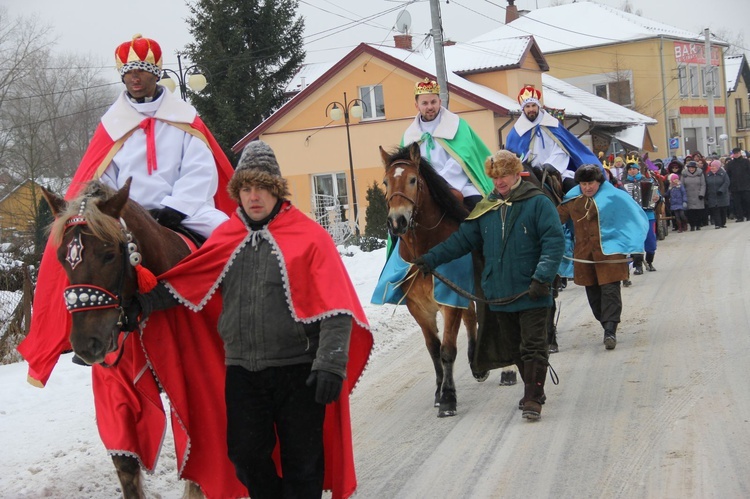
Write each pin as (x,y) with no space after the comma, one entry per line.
(614,91)
(694,81)
(374,105)
(682,76)
(330,197)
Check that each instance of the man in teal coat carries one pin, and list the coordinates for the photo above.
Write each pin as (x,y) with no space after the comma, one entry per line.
(517,230)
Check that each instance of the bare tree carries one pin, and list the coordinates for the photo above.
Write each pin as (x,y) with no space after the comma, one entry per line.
(51,106)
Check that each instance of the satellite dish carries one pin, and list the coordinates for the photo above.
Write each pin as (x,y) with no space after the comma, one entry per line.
(403,21)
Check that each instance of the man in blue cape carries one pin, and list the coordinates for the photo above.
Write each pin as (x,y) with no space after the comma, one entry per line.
(543,140)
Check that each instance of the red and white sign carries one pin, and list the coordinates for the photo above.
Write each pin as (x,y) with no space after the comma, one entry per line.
(695,53)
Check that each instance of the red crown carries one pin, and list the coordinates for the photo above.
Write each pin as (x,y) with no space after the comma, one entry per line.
(139,53)
(529,93)
(426,86)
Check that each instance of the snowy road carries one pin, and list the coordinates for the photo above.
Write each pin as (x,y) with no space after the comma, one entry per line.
(663,415)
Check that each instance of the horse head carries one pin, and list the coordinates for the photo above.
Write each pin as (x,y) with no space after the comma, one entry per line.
(417,196)
(402,187)
(98,255)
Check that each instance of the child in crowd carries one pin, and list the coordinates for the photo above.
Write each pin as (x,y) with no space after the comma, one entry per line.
(677,201)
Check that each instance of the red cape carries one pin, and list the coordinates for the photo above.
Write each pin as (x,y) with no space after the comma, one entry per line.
(189,367)
(317,286)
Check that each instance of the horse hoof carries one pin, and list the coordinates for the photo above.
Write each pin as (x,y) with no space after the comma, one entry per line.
(481,376)
(447,413)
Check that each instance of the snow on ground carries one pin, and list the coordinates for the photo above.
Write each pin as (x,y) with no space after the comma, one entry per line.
(50,445)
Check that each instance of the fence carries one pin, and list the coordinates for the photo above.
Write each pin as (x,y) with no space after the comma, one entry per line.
(332,216)
(16,292)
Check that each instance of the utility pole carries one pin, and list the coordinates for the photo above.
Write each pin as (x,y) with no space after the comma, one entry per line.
(710,85)
(437,40)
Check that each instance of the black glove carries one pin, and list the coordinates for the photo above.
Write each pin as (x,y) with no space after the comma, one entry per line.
(700,198)
(168,217)
(327,386)
(422,265)
(132,311)
(538,289)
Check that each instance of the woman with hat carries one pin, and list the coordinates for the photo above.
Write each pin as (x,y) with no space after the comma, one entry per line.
(695,186)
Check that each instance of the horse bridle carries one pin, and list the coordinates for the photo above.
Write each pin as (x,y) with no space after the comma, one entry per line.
(88,297)
(411,222)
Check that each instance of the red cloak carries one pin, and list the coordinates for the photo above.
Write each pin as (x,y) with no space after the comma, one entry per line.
(317,286)
(188,367)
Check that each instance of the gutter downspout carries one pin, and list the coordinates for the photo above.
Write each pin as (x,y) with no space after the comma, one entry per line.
(664,95)
(511,119)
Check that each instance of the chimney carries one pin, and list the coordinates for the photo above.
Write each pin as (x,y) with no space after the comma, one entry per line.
(511,13)
(402,41)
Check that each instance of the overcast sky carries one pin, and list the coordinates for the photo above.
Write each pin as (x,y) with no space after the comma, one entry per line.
(96,27)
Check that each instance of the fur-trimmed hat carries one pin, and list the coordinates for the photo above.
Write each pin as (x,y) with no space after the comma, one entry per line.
(529,95)
(258,166)
(138,53)
(502,163)
(589,173)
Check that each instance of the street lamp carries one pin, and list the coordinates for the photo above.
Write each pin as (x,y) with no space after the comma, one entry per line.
(337,110)
(190,77)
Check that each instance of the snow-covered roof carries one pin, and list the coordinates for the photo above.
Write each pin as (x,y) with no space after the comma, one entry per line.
(307,74)
(427,64)
(733,69)
(577,102)
(582,24)
(465,58)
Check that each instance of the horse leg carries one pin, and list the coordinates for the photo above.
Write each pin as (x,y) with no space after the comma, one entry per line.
(192,491)
(129,473)
(469,317)
(448,350)
(427,322)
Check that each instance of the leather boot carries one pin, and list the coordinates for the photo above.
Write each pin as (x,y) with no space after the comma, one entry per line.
(610,338)
(535,374)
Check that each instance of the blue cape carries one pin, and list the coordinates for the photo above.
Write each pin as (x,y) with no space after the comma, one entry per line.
(579,153)
(622,222)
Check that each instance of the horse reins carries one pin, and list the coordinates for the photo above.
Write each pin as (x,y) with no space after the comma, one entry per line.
(88,297)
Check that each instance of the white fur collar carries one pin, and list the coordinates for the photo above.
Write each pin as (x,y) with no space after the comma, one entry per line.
(121,117)
(523,124)
(446,129)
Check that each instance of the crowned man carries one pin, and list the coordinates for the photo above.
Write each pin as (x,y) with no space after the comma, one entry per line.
(180,174)
(543,140)
(456,153)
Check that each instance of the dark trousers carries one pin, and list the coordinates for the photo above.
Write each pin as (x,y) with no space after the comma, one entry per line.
(605,301)
(694,218)
(719,215)
(262,405)
(741,204)
(524,333)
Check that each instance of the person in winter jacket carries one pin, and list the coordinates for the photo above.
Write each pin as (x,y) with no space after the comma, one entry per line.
(294,345)
(608,225)
(695,186)
(717,193)
(677,201)
(519,234)
(738,169)
(644,190)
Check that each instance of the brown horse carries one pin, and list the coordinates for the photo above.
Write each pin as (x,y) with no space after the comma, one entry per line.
(99,236)
(423,212)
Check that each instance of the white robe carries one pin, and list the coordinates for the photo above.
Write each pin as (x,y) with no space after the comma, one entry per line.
(444,126)
(185,178)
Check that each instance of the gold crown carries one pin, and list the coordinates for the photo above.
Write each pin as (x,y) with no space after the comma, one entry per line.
(605,164)
(528,92)
(632,158)
(426,86)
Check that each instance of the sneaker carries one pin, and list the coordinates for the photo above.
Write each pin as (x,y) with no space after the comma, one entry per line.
(638,271)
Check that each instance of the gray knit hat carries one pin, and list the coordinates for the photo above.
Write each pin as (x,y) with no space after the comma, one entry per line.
(258,166)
